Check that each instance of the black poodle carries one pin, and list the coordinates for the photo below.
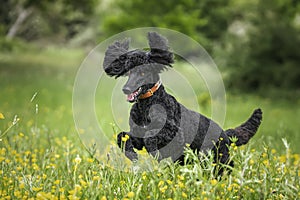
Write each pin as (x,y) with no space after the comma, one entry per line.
(157,121)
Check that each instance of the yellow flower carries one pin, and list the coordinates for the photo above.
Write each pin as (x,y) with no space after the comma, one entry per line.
(83,183)
(214,182)
(17,194)
(130,194)
(43,195)
(77,187)
(282,159)
(160,183)
(56,155)
(22,185)
(229,188)
(143,151)
(180,184)
(251,161)
(103,198)
(144,176)
(180,177)
(122,182)
(90,160)
(184,195)
(2,151)
(1,116)
(36,189)
(125,138)
(264,155)
(96,178)
(163,189)
(266,162)
(35,166)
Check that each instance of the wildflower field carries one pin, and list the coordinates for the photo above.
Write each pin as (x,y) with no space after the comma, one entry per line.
(41,155)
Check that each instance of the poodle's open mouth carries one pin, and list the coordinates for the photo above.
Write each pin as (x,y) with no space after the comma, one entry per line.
(134,95)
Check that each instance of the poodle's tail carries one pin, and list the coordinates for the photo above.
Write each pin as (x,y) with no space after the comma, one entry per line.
(247,130)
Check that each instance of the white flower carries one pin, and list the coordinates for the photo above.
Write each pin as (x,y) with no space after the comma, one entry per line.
(77,160)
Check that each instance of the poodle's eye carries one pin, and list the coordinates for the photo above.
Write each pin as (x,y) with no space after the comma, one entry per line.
(142,73)
(122,57)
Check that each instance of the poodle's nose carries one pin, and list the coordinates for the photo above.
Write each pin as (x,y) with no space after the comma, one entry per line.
(126,90)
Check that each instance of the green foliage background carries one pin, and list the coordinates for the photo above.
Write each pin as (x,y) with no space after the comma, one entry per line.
(256,43)
(268,54)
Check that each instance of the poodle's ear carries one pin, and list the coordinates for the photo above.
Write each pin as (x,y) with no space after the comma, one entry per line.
(157,41)
(113,53)
(159,49)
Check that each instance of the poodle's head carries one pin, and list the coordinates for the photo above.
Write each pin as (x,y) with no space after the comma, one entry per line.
(141,66)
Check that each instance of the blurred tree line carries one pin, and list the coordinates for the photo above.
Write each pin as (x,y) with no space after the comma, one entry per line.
(255,42)
(53,20)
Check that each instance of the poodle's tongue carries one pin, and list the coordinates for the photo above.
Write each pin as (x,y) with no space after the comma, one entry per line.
(130,97)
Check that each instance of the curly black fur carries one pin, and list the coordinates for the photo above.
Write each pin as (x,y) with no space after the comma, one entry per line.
(118,60)
(164,126)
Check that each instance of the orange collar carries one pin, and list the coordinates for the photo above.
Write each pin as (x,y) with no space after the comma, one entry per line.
(151,91)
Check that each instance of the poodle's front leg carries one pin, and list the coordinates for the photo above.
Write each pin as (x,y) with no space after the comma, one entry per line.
(125,142)
(151,146)
(151,141)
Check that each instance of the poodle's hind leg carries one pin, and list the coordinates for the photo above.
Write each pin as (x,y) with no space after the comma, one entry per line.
(151,147)
(224,163)
(222,156)
(125,142)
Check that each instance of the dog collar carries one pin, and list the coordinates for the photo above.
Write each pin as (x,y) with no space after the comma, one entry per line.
(151,91)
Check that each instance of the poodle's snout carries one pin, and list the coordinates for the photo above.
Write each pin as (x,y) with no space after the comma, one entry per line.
(126,90)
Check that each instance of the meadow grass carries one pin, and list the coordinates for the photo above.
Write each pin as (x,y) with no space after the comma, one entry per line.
(41,156)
